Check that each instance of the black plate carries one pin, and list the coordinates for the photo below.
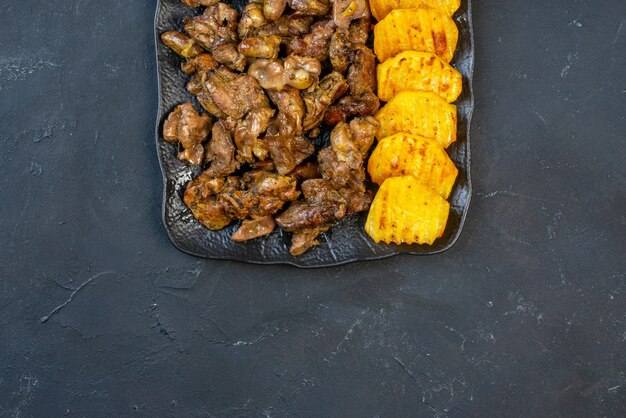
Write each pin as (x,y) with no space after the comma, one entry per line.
(345,242)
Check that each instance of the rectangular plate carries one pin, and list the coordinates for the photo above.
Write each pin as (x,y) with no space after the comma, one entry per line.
(346,241)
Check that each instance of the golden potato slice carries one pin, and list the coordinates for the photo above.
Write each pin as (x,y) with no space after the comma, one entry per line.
(406,211)
(426,30)
(412,155)
(419,113)
(418,71)
(380,8)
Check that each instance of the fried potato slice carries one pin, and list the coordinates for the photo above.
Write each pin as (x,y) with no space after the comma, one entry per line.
(406,211)
(418,71)
(380,8)
(412,155)
(426,30)
(419,113)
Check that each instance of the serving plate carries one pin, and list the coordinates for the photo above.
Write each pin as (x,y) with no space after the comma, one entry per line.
(346,241)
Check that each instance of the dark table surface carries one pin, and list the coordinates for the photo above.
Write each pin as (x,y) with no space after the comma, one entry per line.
(100,316)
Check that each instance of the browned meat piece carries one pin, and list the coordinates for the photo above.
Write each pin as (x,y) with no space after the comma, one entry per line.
(290,103)
(363,132)
(201,63)
(362,72)
(254,228)
(201,198)
(262,46)
(322,206)
(271,191)
(252,18)
(305,239)
(234,94)
(356,200)
(298,72)
(221,152)
(198,3)
(361,78)
(203,29)
(194,86)
(215,31)
(310,7)
(185,127)
(288,151)
(271,184)
(342,144)
(306,171)
(224,15)
(182,44)
(319,190)
(330,88)
(345,11)
(359,31)
(270,74)
(302,72)
(342,164)
(248,130)
(292,25)
(315,44)
(273,9)
(207,103)
(339,51)
(301,215)
(335,171)
(348,106)
(228,55)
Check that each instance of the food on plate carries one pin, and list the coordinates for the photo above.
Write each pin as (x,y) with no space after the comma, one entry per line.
(406,211)
(411,155)
(268,81)
(189,130)
(419,113)
(380,8)
(426,30)
(418,71)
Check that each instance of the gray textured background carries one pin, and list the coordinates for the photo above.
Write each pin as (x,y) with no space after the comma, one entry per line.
(100,316)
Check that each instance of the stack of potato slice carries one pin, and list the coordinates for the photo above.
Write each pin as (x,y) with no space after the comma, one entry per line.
(415,41)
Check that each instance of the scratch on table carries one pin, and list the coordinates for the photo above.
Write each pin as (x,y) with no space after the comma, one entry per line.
(45,319)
